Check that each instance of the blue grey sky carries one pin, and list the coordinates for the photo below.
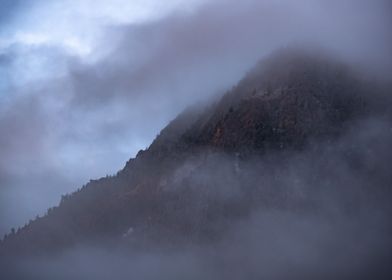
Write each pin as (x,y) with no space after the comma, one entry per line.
(85,84)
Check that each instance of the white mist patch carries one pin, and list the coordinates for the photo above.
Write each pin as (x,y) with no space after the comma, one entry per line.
(128,232)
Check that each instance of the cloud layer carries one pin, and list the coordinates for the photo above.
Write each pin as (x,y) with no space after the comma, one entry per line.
(78,105)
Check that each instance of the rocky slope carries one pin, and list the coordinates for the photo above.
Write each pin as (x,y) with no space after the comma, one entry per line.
(300,133)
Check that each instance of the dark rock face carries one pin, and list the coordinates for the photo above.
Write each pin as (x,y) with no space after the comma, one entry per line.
(289,136)
(283,102)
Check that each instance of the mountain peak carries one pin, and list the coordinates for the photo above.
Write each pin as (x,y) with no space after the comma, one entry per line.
(286,99)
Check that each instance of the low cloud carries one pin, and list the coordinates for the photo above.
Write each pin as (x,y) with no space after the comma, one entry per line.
(80,118)
(323,212)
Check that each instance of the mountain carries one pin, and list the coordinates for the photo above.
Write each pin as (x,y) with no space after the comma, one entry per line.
(301,133)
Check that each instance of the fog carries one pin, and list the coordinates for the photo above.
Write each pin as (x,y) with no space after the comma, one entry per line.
(272,245)
(79,106)
(325,214)
(78,98)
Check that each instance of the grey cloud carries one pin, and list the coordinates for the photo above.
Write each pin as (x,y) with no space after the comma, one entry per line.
(334,225)
(90,120)
(166,65)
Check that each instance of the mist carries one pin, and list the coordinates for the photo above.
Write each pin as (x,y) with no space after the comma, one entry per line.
(101,108)
(325,213)
(79,99)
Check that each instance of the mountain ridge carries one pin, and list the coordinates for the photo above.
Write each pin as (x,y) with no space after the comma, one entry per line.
(287,102)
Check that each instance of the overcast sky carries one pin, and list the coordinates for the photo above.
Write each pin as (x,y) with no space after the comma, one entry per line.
(85,84)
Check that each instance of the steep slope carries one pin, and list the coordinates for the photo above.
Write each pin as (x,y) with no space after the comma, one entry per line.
(283,102)
(204,171)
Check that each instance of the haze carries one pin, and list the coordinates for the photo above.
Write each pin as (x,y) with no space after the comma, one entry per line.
(85,84)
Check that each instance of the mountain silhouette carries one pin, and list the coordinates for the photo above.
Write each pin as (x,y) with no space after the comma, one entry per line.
(301,132)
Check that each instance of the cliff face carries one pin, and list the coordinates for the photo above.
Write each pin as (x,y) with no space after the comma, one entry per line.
(295,115)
